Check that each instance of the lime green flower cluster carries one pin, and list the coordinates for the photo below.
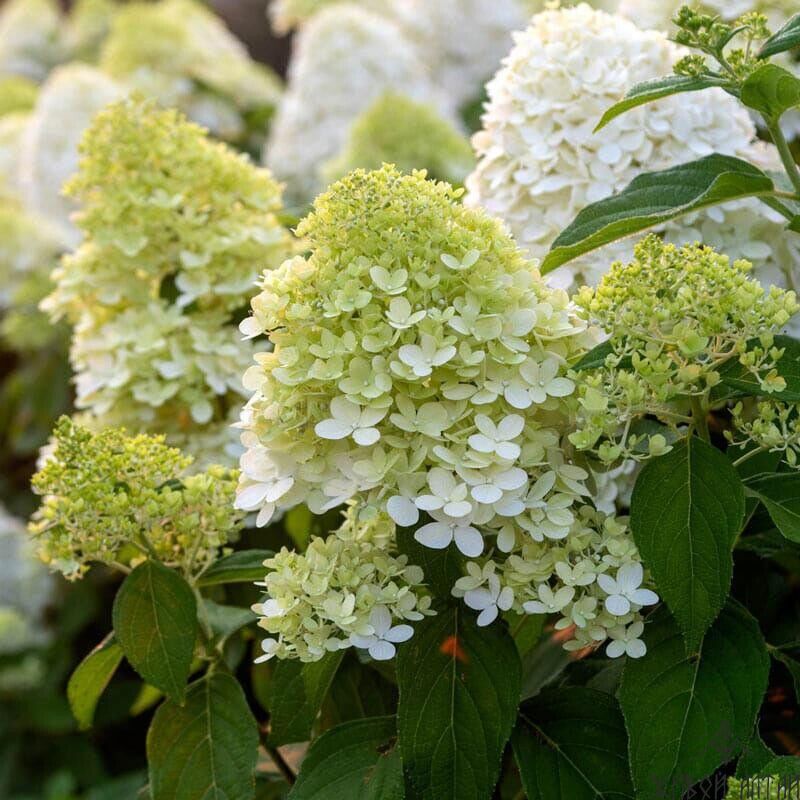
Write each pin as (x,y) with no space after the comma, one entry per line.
(182,54)
(117,499)
(176,228)
(17,93)
(772,787)
(675,316)
(420,366)
(317,599)
(408,134)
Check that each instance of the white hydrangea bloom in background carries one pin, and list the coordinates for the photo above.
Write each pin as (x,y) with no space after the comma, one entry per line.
(182,54)
(29,37)
(345,58)
(462,41)
(12,134)
(71,96)
(26,589)
(288,14)
(420,370)
(540,162)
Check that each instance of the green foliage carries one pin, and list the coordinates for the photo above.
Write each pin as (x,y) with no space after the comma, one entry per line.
(296,696)
(571,744)
(687,715)
(686,511)
(244,566)
(359,760)
(787,38)
(648,91)
(88,682)
(653,198)
(205,748)
(771,90)
(780,494)
(459,692)
(155,622)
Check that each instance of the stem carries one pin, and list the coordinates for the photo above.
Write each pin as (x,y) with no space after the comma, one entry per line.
(279,761)
(748,455)
(779,140)
(699,418)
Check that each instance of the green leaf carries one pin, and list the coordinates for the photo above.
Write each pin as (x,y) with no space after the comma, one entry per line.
(296,696)
(654,198)
(754,756)
(155,621)
(780,494)
(571,744)
(226,620)
(245,566)
(596,357)
(793,668)
(771,90)
(459,692)
(357,760)
(738,380)
(648,91)
(786,38)
(442,568)
(207,748)
(90,678)
(687,509)
(686,716)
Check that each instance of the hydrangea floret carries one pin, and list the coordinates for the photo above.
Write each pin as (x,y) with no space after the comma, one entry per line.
(176,229)
(344,59)
(117,499)
(410,135)
(181,53)
(420,369)
(540,162)
(351,588)
(675,317)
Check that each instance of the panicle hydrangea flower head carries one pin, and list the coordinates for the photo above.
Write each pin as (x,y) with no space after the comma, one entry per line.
(17,94)
(463,41)
(541,163)
(410,135)
(288,14)
(420,367)
(675,316)
(351,588)
(68,100)
(176,228)
(344,59)
(29,38)
(183,55)
(115,499)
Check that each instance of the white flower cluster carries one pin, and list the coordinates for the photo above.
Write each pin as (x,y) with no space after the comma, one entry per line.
(345,58)
(180,53)
(68,100)
(346,589)
(29,37)
(420,368)
(540,162)
(168,256)
(462,41)
(26,589)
